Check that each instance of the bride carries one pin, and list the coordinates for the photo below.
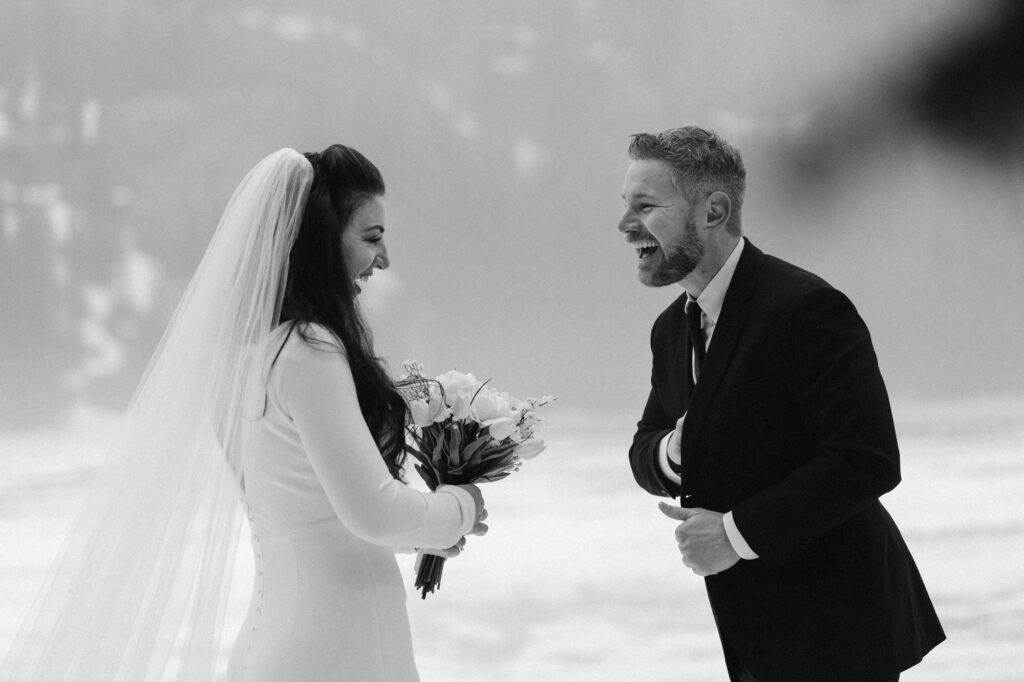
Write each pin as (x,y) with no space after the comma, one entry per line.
(264,389)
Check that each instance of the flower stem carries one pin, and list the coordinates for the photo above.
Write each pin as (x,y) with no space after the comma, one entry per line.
(428,577)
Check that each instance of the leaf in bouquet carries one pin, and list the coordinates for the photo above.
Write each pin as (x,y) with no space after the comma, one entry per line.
(490,478)
(459,472)
(498,466)
(475,461)
(499,451)
(486,462)
(414,446)
(428,476)
(455,446)
(498,463)
(419,457)
(438,456)
(445,459)
(428,437)
(475,450)
(470,466)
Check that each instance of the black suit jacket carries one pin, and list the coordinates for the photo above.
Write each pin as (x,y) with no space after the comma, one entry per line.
(790,428)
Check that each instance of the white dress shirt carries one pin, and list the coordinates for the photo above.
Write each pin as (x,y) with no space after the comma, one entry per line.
(710,302)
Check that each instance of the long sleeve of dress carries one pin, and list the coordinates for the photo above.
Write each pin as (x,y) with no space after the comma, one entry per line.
(316,389)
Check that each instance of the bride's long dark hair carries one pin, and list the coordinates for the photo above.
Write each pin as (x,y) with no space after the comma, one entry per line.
(320,289)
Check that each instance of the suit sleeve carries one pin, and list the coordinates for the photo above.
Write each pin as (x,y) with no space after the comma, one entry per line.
(653,426)
(833,377)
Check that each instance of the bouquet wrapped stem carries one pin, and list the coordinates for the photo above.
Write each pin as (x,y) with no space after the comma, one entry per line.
(464,432)
(428,576)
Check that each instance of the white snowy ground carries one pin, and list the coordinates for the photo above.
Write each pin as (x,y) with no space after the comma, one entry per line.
(579,578)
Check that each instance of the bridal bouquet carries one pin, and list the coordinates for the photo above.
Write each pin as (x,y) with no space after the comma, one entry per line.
(464,431)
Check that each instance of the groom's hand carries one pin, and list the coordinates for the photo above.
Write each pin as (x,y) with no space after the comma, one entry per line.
(702,540)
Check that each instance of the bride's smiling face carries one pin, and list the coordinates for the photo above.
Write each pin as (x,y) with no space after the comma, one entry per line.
(363,241)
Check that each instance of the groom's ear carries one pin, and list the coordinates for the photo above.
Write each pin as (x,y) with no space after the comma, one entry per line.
(717,209)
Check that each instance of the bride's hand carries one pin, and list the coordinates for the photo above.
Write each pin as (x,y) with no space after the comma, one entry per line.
(479,528)
(453,551)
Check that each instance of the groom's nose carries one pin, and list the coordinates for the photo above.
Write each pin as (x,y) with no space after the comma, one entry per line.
(628,222)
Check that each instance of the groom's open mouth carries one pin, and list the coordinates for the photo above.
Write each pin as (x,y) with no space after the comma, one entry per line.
(645,247)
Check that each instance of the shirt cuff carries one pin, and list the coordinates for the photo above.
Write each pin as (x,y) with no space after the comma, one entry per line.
(736,538)
(663,460)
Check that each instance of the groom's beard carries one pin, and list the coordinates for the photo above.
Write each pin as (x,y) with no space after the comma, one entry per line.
(677,261)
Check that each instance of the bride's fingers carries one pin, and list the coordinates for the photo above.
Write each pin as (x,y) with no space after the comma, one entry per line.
(479,529)
(447,553)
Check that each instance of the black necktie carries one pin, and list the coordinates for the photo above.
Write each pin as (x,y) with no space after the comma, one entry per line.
(693,325)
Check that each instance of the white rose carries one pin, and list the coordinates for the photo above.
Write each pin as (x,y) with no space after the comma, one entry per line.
(489,405)
(439,411)
(501,428)
(421,412)
(530,448)
(460,408)
(458,383)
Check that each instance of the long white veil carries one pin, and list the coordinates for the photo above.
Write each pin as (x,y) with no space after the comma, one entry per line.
(140,587)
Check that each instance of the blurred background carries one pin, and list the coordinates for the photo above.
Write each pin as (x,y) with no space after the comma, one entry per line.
(884,145)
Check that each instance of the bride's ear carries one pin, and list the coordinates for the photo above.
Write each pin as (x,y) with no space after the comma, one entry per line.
(717,209)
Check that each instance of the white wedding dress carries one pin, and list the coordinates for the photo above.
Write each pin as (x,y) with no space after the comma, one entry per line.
(141,585)
(328,601)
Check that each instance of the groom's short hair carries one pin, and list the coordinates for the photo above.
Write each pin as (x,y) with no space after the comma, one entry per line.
(701,162)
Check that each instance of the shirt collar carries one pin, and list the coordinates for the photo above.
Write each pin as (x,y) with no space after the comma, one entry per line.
(713,296)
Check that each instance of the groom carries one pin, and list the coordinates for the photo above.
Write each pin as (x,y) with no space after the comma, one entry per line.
(768,415)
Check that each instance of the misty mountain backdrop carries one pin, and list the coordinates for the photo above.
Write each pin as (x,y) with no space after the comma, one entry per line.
(876,157)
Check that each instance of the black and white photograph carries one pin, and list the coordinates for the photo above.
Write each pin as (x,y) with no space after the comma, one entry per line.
(568,341)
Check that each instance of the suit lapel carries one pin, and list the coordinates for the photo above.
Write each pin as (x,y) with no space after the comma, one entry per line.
(727,331)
